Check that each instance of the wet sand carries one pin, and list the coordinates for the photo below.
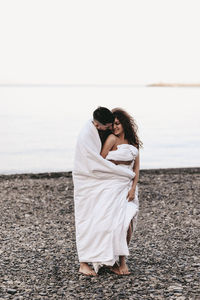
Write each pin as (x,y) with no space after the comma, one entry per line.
(38,258)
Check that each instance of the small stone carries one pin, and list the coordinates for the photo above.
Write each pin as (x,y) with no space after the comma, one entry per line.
(175,288)
(196,265)
(11,291)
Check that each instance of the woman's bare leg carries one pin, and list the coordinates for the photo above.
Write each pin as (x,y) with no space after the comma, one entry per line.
(123,268)
(129,232)
(86,270)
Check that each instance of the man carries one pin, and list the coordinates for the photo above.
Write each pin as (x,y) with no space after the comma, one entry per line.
(103,120)
(100,192)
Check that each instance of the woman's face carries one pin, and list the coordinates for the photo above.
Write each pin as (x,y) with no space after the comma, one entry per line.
(117,127)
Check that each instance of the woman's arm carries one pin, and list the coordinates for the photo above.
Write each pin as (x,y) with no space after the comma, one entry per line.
(121,162)
(108,145)
(136,167)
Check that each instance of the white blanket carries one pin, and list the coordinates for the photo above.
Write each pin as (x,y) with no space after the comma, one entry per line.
(102,211)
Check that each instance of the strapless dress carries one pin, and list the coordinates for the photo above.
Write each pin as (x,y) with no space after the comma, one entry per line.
(124,152)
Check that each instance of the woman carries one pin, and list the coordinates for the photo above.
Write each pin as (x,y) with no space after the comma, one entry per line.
(122,148)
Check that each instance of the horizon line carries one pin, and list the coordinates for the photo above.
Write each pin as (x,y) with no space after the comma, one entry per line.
(68,85)
(99,85)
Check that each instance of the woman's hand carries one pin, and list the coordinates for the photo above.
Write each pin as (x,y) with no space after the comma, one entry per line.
(131,194)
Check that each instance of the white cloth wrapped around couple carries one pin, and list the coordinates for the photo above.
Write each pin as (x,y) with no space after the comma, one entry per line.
(102,210)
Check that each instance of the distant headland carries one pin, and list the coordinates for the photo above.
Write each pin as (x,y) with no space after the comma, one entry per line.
(165,84)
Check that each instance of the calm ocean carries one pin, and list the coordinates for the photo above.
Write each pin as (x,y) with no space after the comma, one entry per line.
(39,125)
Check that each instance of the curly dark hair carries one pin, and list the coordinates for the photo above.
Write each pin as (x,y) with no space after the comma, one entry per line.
(129,126)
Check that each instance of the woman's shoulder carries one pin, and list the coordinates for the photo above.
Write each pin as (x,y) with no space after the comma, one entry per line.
(111,138)
(108,145)
(110,141)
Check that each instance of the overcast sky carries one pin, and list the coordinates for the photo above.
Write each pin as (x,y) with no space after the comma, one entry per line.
(99,42)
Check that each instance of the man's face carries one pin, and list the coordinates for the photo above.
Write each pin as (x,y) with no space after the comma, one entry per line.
(103,127)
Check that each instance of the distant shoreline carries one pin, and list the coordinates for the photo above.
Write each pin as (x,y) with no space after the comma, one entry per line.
(162,84)
(67,174)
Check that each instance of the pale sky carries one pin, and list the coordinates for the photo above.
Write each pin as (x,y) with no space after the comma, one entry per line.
(99,42)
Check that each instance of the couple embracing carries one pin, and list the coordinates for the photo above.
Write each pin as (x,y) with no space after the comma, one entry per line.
(105,176)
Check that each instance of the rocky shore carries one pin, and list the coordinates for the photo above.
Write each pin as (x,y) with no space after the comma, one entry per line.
(38,258)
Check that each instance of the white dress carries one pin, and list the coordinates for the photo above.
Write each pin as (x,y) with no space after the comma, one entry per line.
(125,152)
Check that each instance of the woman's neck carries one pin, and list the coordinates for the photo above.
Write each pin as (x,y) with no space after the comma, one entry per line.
(121,137)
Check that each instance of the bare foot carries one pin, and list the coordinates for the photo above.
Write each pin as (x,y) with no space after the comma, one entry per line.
(124,270)
(86,270)
(115,269)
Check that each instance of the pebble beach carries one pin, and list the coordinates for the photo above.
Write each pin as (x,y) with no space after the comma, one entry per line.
(38,258)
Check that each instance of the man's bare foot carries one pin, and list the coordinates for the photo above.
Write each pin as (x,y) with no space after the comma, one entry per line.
(115,269)
(86,270)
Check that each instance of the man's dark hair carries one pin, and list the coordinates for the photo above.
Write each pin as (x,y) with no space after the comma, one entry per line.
(103,115)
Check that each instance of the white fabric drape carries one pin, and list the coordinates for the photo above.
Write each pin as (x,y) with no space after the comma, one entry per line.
(102,211)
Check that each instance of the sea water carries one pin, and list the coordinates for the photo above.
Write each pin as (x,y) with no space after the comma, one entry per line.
(39,125)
